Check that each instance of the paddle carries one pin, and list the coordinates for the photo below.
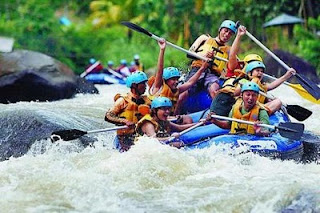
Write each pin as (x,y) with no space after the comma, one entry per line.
(185,131)
(310,86)
(72,134)
(89,69)
(144,31)
(298,112)
(299,89)
(289,130)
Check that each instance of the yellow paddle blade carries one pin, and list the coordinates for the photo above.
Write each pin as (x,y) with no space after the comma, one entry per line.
(304,93)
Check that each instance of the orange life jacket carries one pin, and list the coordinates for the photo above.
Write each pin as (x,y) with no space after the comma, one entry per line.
(161,130)
(130,112)
(208,46)
(164,91)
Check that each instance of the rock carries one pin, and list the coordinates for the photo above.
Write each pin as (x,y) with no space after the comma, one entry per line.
(21,128)
(32,76)
(301,66)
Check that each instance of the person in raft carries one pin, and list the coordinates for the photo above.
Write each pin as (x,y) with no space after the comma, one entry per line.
(165,82)
(204,44)
(226,96)
(254,71)
(246,108)
(127,110)
(156,123)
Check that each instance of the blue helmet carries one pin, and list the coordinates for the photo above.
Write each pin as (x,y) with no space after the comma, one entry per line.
(250,86)
(253,65)
(161,102)
(230,25)
(170,72)
(136,78)
(92,61)
(123,61)
(110,63)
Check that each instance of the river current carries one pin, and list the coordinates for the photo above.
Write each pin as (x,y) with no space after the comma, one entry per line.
(61,177)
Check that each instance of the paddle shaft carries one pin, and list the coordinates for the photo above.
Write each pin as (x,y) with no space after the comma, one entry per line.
(115,73)
(267,50)
(242,121)
(90,69)
(107,129)
(186,130)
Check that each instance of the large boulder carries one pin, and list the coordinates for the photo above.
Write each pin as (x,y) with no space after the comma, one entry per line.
(32,76)
(300,65)
(21,128)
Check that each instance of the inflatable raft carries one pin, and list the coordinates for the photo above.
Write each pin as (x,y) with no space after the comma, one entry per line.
(274,146)
(103,78)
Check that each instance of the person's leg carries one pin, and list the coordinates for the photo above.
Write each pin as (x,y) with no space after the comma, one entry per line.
(213,89)
(273,106)
(211,82)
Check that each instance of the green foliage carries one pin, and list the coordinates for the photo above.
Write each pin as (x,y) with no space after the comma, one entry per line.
(309,42)
(96,32)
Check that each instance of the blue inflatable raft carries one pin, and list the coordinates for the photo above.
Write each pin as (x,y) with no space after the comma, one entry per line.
(274,146)
(103,78)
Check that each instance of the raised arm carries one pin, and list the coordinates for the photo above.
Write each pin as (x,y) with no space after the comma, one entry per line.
(158,80)
(282,79)
(233,62)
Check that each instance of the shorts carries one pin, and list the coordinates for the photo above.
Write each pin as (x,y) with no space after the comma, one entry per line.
(222,104)
(205,80)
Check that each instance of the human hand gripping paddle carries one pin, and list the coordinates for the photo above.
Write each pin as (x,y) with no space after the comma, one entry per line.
(310,86)
(71,134)
(144,31)
(289,130)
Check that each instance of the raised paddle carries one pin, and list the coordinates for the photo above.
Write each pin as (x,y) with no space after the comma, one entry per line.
(310,86)
(289,130)
(89,69)
(146,32)
(72,134)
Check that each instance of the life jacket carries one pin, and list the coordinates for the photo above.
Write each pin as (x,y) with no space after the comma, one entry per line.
(263,87)
(253,116)
(229,85)
(218,66)
(162,129)
(164,91)
(131,112)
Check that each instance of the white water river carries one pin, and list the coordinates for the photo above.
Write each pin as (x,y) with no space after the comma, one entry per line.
(150,177)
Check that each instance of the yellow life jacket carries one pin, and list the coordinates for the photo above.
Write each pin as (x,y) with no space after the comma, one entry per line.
(131,112)
(263,87)
(253,116)
(161,130)
(229,86)
(164,91)
(208,46)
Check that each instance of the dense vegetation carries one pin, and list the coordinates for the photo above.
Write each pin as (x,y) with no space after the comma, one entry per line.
(95,30)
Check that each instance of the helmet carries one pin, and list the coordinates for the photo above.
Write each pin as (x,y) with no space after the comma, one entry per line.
(252,57)
(229,24)
(136,78)
(110,63)
(132,63)
(253,65)
(250,86)
(161,102)
(123,61)
(170,72)
(136,57)
(92,60)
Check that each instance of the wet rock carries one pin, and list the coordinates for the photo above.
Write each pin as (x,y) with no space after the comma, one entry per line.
(32,76)
(20,129)
(300,65)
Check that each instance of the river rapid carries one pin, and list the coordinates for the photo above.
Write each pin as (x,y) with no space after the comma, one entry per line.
(61,177)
